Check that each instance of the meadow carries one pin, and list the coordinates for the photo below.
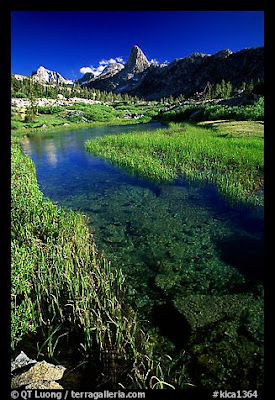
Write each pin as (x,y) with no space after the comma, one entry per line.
(233,162)
(79,115)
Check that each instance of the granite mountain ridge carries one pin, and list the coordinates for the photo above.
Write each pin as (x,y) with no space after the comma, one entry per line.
(187,75)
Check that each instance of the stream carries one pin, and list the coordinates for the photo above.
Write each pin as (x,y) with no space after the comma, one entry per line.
(193,262)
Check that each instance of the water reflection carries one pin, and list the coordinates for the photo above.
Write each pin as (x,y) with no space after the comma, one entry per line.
(51,153)
(27,144)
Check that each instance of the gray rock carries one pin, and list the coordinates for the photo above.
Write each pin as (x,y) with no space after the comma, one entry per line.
(111,70)
(40,375)
(137,62)
(22,360)
(44,75)
(44,385)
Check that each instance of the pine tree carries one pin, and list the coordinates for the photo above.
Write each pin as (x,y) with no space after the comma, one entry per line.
(243,86)
(223,89)
(170,99)
(218,91)
(228,89)
(85,92)
(208,91)
(32,110)
(250,87)
(181,98)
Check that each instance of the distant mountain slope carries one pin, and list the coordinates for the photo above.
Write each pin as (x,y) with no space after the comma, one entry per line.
(85,78)
(185,75)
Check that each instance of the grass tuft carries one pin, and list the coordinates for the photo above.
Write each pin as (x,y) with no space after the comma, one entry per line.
(62,289)
(234,164)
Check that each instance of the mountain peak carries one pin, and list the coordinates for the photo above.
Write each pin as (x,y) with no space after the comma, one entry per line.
(137,61)
(223,53)
(44,75)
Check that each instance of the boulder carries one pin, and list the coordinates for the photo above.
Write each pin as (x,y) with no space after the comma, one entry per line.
(33,374)
(21,361)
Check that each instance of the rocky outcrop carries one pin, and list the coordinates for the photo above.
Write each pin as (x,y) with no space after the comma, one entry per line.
(111,70)
(31,374)
(85,78)
(20,77)
(18,103)
(46,76)
(222,54)
(137,62)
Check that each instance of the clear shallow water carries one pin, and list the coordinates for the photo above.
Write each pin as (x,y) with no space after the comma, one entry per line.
(193,262)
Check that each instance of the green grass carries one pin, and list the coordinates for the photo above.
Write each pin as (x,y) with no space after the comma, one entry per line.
(71,126)
(80,115)
(210,112)
(237,129)
(68,295)
(234,164)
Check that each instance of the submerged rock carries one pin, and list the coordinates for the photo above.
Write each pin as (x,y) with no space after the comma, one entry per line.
(114,233)
(33,374)
(201,310)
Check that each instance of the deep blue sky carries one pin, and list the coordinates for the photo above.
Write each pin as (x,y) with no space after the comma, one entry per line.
(66,41)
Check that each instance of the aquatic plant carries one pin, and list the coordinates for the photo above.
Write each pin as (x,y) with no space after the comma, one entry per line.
(63,288)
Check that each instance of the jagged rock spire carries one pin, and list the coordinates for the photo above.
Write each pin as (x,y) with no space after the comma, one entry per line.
(137,61)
